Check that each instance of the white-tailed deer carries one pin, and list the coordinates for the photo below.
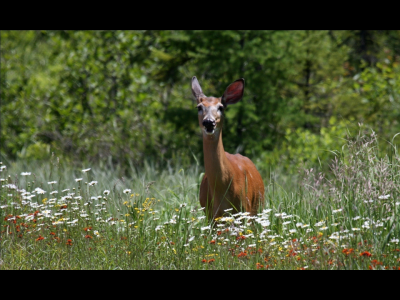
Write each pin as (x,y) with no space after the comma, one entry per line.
(230,181)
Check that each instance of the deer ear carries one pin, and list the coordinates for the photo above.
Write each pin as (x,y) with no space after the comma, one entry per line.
(196,89)
(233,93)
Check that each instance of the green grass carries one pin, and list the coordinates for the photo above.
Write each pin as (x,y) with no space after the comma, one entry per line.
(346,219)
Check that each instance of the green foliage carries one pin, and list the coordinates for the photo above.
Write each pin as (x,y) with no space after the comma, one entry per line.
(302,148)
(125,96)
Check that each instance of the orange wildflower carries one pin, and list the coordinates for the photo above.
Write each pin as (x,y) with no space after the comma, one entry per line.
(40,238)
(52,233)
(242,254)
(376,262)
(69,242)
(348,251)
(211,260)
(241,237)
(365,253)
(204,261)
(212,242)
(88,237)
(259,266)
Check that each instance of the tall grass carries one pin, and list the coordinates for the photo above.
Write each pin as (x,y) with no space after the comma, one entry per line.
(346,219)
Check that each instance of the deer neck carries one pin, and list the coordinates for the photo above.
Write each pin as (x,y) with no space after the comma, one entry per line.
(216,164)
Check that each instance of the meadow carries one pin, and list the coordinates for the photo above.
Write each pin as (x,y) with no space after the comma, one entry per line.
(56,216)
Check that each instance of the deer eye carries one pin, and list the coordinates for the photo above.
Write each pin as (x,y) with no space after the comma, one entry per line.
(221,108)
(199,108)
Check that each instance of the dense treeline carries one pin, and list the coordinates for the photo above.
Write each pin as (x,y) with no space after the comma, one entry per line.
(124,96)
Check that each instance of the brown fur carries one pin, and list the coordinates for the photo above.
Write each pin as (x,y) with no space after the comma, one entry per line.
(230,181)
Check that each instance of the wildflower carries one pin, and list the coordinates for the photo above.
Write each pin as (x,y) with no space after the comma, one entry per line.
(46,213)
(366,253)
(242,254)
(319,224)
(212,242)
(299,224)
(229,209)
(288,216)
(40,238)
(394,240)
(88,237)
(323,228)
(355,229)
(204,260)
(40,191)
(85,170)
(53,192)
(292,230)
(347,251)
(92,183)
(211,260)
(25,173)
(206,228)
(191,238)
(287,222)
(356,218)
(69,242)
(106,192)
(52,182)
(127,191)
(78,179)
(252,245)
(335,224)
(384,197)
(280,215)
(265,223)
(337,210)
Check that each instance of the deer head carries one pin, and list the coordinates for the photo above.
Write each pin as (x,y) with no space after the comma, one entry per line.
(211,109)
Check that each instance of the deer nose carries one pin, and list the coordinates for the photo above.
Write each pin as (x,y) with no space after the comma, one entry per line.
(207,123)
